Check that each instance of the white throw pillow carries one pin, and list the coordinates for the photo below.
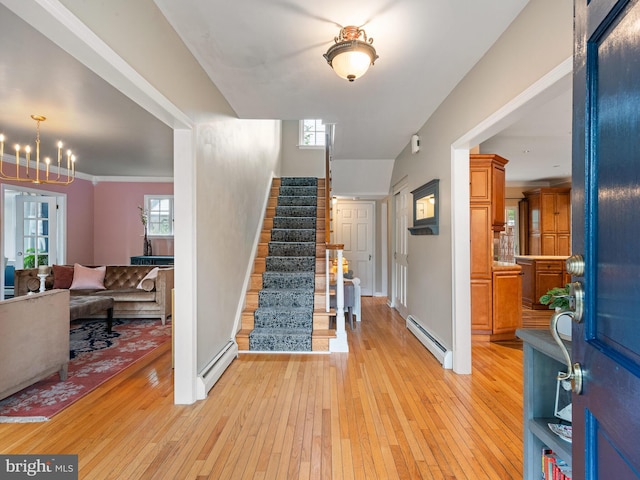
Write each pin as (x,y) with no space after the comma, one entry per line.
(150,285)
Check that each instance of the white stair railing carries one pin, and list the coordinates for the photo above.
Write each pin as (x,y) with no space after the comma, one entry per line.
(338,344)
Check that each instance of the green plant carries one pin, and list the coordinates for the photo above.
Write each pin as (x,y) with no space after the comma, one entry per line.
(557,297)
(30,259)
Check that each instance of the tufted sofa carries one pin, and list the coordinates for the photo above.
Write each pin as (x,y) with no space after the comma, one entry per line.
(120,281)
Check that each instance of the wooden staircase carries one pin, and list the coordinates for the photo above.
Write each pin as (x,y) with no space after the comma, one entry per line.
(321,331)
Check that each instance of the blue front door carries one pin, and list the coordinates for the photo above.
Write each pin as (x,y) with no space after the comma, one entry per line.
(606,230)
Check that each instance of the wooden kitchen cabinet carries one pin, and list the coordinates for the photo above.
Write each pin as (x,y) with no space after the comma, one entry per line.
(496,308)
(539,275)
(507,304)
(487,185)
(549,221)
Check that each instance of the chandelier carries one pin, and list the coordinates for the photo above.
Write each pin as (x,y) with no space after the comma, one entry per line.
(350,57)
(56,178)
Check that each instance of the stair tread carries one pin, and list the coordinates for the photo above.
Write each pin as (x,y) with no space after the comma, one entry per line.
(278,308)
(324,333)
(281,331)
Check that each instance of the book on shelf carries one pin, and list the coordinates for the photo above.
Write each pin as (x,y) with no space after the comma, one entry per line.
(553,467)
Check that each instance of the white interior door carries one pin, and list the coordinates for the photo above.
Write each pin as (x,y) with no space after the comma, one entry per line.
(36,231)
(400,255)
(355,229)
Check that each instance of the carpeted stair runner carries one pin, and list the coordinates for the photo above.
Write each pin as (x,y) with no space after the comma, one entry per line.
(283,320)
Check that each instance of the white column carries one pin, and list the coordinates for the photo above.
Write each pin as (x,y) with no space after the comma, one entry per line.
(339,344)
(328,275)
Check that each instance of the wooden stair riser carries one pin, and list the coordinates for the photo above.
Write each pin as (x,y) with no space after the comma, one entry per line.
(256,281)
(242,339)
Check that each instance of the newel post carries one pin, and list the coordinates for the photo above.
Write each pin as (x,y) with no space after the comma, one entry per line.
(338,344)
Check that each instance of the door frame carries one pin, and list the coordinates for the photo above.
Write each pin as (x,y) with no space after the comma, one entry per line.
(345,201)
(397,188)
(557,81)
(61,219)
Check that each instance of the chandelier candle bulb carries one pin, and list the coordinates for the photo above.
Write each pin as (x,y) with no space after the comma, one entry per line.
(28,150)
(59,180)
(59,157)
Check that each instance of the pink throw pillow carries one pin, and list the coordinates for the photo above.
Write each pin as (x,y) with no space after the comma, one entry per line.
(86,278)
(62,276)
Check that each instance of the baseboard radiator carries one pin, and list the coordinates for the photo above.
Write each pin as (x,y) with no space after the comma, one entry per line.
(212,372)
(444,356)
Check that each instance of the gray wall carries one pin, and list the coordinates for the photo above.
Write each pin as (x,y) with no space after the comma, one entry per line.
(299,162)
(232,164)
(538,40)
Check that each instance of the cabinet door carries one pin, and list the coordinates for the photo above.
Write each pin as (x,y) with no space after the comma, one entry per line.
(534,244)
(481,246)
(546,280)
(563,244)
(528,283)
(497,198)
(548,212)
(563,217)
(549,244)
(507,307)
(481,306)
(480,185)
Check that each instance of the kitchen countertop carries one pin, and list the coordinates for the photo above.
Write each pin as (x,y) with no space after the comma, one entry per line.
(542,257)
(500,266)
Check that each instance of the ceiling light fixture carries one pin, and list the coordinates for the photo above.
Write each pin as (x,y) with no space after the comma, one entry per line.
(350,57)
(58,180)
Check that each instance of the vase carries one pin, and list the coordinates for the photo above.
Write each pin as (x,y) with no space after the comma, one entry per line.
(146,251)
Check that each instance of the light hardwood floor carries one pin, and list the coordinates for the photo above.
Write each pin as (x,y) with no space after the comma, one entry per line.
(385,410)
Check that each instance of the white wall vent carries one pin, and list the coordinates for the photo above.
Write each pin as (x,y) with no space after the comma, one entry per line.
(442,354)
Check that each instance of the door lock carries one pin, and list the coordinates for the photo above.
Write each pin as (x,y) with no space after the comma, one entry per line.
(575,265)
(576,301)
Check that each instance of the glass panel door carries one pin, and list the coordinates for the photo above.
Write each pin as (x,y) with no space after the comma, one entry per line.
(36,231)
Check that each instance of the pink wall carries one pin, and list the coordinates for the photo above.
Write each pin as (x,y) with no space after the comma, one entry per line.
(103,221)
(80,201)
(117,229)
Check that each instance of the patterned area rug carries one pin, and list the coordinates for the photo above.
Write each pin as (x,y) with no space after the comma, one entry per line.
(96,356)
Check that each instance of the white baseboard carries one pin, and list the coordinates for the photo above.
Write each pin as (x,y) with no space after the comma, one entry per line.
(442,354)
(210,375)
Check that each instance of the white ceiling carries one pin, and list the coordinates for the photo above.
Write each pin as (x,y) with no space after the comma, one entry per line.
(266,59)
(110,134)
(538,146)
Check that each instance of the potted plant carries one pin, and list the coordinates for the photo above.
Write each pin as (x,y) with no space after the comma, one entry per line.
(557,298)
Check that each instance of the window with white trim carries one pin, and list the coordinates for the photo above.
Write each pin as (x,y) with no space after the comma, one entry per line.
(159,209)
(312,133)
